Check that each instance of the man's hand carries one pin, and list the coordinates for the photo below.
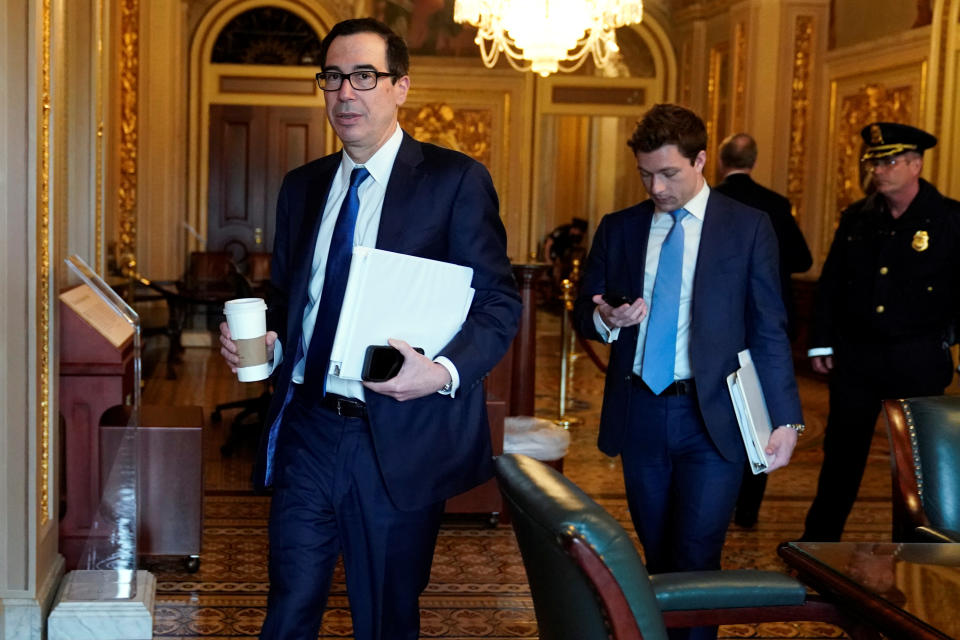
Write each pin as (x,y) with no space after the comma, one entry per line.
(228,348)
(419,376)
(822,364)
(626,315)
(780,446)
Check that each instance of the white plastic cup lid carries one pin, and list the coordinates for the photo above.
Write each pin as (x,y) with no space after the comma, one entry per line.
(244,305)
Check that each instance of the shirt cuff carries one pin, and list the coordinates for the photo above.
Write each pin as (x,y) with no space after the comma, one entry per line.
(608,334)
(277,356)
(454,376)
(820,351)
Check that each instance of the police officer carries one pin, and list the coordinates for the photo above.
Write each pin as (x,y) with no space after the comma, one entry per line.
(884,311)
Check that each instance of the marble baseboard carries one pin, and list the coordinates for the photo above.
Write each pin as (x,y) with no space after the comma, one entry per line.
(22,618)
(96,605)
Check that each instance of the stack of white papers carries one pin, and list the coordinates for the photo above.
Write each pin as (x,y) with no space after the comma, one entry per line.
(751,410)
(393,295)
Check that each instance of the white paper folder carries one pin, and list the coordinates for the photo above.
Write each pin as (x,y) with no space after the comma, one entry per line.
(751,410)
(393,295)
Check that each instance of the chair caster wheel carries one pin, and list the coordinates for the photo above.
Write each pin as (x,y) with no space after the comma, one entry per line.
(192,564)
(493,520)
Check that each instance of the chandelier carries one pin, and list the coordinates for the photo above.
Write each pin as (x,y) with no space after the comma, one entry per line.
(542,35)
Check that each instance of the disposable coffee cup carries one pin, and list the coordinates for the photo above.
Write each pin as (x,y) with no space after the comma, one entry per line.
(247,319)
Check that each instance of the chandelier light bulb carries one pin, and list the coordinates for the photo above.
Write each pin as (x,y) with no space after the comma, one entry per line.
(547,36)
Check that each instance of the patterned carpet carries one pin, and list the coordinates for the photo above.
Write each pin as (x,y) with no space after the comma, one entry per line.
(478,587)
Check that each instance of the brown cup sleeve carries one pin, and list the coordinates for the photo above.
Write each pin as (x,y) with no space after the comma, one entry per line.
(252,351)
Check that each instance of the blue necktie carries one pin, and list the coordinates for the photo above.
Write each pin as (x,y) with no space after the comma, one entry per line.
(334,284)
(660,346)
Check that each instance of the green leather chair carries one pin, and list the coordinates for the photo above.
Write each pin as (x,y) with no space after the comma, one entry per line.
(925,465)
(588,581)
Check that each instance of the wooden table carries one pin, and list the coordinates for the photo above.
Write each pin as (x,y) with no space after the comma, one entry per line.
(909,590)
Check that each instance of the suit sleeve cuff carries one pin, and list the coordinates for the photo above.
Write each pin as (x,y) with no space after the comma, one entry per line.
(608,334)
(820,351)
(454,376)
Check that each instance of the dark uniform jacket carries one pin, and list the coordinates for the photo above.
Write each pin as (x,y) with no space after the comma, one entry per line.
(890,280)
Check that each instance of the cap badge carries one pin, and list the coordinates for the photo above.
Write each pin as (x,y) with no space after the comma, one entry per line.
(876,135)
(921,241)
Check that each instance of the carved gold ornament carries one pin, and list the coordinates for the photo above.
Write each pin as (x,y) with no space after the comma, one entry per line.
(921,241)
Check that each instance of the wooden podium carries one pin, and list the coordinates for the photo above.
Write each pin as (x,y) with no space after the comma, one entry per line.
(96,373)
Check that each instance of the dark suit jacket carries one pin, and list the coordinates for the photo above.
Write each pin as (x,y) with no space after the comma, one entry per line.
(736,305)
(794,254)
(439,204)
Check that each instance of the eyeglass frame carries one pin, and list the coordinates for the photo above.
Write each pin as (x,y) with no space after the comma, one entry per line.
(321,76)
(887,162)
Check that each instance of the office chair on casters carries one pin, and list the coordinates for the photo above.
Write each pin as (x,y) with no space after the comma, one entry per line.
(925,465)
(588,581)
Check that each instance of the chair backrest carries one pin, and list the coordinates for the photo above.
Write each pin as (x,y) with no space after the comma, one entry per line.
(214,275)
(925,464)
(587,580)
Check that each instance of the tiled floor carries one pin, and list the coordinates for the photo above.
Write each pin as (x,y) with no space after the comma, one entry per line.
(478,587)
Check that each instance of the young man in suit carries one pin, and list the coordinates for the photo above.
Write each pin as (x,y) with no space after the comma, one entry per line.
(738,154)
(700,272)
(364,468)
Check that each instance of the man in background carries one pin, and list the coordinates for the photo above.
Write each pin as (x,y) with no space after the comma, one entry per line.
(738,154)
(363,469)
(885,310)
(705,267)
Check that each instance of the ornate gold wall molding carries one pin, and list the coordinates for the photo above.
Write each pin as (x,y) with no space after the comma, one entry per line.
(98,144)
(739,97)
(465,130)
(799,113)
(129,79)
(686,70)
(716,125)
(43,267)
(874,102)
(935,153)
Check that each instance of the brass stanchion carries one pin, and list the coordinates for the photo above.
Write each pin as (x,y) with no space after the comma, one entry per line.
(574,353)
(563,419)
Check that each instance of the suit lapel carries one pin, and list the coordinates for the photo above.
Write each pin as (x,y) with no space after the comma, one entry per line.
(711,245)
(401,201)
(636,235)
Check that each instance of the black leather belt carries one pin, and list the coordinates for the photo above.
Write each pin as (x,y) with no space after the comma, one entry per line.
(340,405)
(678,388)
(345,407)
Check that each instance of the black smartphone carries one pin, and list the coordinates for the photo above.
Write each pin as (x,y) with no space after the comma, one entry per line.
(616,300)
(382,362)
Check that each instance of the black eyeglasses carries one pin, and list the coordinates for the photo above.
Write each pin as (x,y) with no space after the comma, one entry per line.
(364,80)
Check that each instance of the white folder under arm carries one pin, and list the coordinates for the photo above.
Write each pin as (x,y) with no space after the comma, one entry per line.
(393,295)
(751,410)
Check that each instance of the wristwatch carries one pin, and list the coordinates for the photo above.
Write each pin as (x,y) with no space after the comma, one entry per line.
(798,427)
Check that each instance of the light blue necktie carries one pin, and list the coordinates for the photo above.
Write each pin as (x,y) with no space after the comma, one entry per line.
(660,345)
(334,284)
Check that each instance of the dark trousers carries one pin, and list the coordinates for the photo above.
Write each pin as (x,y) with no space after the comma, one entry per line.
(680,490)
(751,495)
(863,376)
(329,498)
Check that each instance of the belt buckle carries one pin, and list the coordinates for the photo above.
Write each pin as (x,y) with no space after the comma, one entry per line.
(340,407)
(682,387)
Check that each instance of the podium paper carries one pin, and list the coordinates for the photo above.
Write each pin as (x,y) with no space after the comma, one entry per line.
(393,295)
(751,410)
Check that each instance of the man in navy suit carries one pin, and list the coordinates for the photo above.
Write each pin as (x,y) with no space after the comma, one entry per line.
(363,469)
(666,408)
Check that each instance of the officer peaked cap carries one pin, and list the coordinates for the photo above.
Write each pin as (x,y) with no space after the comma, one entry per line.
(890,138)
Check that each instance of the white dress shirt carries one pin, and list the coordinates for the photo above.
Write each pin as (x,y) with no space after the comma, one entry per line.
(371,194)
(659,227)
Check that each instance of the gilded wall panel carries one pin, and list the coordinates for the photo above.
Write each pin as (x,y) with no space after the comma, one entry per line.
(465,130)
(799,113)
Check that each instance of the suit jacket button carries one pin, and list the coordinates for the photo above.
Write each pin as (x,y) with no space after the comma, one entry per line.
(880,308)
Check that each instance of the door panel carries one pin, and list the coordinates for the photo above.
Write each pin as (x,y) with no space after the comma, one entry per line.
(251,149)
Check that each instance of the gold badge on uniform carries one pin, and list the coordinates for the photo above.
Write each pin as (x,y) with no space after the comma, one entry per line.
(921,240)
(876,135)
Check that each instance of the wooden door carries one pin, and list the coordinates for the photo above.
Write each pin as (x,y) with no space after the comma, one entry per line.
(251,149)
